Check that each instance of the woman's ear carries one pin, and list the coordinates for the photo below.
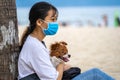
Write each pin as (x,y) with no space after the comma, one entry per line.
(39,22)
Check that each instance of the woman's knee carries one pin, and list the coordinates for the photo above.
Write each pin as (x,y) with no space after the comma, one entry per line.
(96,70)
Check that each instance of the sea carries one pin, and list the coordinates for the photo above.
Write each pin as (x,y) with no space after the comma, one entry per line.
(77,16)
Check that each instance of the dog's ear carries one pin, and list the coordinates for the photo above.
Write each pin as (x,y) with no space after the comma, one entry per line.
(64,43)
(54,46)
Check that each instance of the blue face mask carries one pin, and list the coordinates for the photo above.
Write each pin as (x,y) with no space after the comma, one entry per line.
(52,28)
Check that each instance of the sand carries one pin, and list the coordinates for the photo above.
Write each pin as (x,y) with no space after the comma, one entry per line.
(90,47)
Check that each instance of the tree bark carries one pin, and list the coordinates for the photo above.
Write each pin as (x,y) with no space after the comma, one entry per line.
(9,43)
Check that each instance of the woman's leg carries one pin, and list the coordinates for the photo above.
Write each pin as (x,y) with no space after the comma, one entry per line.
(93,74)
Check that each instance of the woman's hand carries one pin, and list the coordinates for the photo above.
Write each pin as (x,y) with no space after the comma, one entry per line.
(66,67)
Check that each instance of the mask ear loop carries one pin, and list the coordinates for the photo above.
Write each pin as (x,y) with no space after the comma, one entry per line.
(46,23)
(43,20)
(43,27)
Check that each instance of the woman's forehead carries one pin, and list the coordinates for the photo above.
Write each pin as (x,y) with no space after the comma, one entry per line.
(52,14)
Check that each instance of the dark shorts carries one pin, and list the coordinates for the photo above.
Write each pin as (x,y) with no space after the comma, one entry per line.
(31,77)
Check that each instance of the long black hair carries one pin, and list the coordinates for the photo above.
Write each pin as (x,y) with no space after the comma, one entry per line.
(38,11)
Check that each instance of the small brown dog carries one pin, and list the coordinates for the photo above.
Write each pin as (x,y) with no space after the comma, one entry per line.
(59,52)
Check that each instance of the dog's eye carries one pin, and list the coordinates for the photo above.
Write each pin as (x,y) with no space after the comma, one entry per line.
(64,53)
(58,56)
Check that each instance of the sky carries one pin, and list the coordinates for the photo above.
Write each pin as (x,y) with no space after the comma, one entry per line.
(70,3)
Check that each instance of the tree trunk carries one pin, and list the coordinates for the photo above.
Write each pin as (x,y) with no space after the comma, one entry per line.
(9,49)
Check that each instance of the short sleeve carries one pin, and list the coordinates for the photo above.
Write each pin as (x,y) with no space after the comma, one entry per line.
(40,61)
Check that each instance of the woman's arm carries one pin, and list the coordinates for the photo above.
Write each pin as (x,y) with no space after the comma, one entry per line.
(60,69)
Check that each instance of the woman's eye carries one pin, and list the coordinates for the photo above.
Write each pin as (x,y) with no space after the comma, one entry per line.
(53,19)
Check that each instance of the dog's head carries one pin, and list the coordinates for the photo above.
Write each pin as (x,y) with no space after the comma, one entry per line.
(59,50)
